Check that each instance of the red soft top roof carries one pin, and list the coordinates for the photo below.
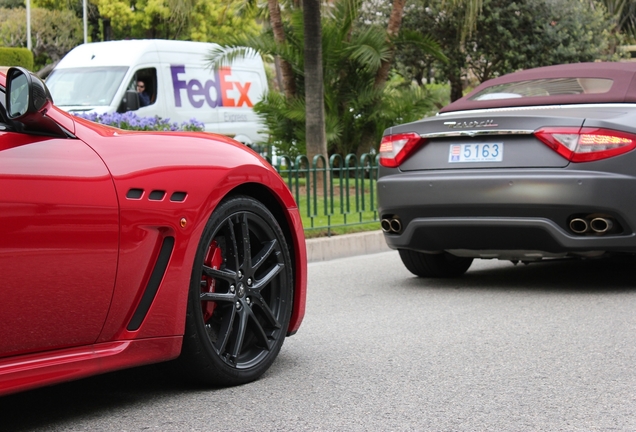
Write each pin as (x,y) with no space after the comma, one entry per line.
(623,75)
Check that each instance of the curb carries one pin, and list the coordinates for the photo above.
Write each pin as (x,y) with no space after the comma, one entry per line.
(340,246)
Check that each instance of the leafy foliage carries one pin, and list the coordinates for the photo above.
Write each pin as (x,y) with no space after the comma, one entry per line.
(131,121)
(508,36)
(11,4)
(198,20)
(623,14)
(16,57)
(53,32)
(555,32)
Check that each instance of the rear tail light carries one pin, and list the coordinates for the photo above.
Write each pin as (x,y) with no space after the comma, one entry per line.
(587,144)
(394,149)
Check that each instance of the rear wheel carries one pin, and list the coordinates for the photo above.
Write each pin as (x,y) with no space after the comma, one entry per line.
(434,265)
(240,297)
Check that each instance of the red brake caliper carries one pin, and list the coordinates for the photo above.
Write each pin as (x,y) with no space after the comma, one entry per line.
(213,259)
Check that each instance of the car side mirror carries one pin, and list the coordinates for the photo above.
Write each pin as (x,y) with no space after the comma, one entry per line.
(27,102)
(26,94)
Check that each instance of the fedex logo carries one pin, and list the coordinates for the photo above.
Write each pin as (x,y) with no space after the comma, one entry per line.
(221,90)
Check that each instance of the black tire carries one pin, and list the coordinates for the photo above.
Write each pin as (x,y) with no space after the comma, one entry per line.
(240,298)
(443,265)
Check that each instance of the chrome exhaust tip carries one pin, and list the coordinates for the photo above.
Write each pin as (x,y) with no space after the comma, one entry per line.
(579,226)
(386,225)
(396,225)
(601,225)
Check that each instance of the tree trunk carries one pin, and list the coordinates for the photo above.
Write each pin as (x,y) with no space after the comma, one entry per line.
(456,86)
(315,135)
(392,30)
(287,73)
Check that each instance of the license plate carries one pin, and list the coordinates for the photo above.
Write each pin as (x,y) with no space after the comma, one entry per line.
(482,152)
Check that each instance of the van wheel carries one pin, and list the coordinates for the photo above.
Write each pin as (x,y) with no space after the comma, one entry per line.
(240,297)
(434,265)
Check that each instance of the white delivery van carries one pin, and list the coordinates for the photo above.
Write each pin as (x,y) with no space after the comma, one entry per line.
(101,77)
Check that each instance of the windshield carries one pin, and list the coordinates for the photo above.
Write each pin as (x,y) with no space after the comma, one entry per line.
(90,86)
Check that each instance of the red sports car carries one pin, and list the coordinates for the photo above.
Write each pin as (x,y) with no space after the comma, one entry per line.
(121,248)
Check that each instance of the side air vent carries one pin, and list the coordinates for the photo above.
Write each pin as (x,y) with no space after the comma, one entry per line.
(135,194)
(153,284)
(156,195)
(178,196)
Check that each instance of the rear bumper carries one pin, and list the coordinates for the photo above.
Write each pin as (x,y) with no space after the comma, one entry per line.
(507,210)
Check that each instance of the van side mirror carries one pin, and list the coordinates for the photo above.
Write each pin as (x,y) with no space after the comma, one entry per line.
(26,94)
(130,102)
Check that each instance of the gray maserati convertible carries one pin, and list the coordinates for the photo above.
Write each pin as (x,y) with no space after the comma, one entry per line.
(532,165)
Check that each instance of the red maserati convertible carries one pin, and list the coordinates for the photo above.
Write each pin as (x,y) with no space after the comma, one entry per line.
(120,248)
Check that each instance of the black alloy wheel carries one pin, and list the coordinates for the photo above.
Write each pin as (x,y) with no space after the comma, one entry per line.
(240,299)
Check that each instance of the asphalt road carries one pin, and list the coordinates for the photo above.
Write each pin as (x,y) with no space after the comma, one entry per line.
(547,346)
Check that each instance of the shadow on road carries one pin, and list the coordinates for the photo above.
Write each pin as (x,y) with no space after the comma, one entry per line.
(593,275)
(53,408)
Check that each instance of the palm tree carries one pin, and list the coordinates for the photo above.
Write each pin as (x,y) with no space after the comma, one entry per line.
(623,13)
(316,143)
(287,74)
(472,8)
(392,31)
(356,110)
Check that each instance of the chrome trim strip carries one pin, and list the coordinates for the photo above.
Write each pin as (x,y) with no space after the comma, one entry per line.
(473,133)
(539,107)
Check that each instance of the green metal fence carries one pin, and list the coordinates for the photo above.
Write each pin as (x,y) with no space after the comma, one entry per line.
(334,193)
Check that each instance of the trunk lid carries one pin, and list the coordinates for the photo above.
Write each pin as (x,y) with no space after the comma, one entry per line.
(497,138)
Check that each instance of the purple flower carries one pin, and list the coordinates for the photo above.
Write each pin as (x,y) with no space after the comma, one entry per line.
(131,121)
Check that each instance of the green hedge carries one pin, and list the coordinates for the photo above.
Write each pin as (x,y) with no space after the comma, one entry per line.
(16,57)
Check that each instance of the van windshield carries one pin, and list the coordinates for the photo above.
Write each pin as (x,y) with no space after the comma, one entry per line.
(90,86)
